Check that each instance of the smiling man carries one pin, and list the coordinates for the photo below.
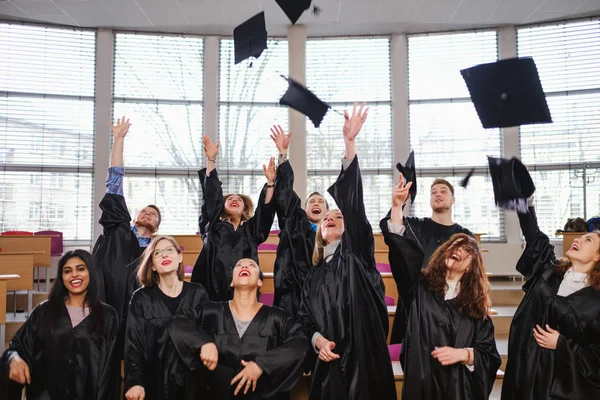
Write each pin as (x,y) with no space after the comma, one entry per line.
(117,250)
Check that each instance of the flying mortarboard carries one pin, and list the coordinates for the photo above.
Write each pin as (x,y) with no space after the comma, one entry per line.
(250,38)
(465,181)
(512,183)
(409,172)
(294,8)
(303,100)
(507,93)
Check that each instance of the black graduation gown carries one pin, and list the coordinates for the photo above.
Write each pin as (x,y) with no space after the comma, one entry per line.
(296,242)
(435,322)
(70,363)
(572,370)
(430,235)
(151,360)
(223,245)
(344,301)
(116,253)
(274,340)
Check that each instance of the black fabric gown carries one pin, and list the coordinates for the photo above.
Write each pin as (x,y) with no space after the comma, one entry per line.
(430,235)
(151,360)
(274,340)
(572,371)
(344,301)
(116,253)
(67,364)
(296,242)
(435,322)
(223,245)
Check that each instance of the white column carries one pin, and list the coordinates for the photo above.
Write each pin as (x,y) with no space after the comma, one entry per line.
(399,61)
(297,121)
(211,87)
(105,40)
(507,48)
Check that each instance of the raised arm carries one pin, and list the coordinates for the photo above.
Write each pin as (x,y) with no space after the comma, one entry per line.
(212,191)
(260,224)
(287,202)
(347,191)
(119,131)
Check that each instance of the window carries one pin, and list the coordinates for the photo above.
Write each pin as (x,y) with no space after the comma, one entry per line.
(249,95)
(444,129)
(567,57)
(356,70)
(158,85)
(47,89)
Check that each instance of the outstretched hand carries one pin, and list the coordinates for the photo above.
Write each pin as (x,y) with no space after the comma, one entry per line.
(282,141)
(401,192)
(120,130)
(354,122)
(210,150)
(270,171)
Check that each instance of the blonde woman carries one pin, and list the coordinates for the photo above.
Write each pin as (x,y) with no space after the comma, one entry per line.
(153,369)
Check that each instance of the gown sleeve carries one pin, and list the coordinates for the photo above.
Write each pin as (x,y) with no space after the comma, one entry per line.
(260,224)
(577,367)
(283,366)
(304,316)
(487,360)
(188,337)
(135,345)
(347,191)
(539,252)
(212,200)
(109,365)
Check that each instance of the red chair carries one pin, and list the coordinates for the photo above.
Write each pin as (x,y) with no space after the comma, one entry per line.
(267,246)
(17,233)
(395,350)
(389,301)
(56,250)
(267,299)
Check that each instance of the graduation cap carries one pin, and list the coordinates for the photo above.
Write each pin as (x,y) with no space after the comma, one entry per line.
(250,38)
(409,172)
(512,183)
(295,8)
(303,100)
(507,93)
(465,181)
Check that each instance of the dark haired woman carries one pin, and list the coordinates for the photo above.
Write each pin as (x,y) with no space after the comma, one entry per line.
(66,348)
(152,367)
(297,229)
(449,351)
(554,342)
(255,351)
(343,310)
(230,228)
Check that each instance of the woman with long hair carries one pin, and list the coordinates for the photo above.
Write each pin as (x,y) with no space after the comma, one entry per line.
(449,349)
(229,226)
(252,350)
(153,369)
(66,348)
(554,341)
(343,309)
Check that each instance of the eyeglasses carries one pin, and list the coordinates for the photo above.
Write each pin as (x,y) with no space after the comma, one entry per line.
(166,251)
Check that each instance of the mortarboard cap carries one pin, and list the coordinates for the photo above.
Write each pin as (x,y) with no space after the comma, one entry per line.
(250,38)
(303,100)
(409,172)
(512,183)
(294,8)
(465,181)
(507,93)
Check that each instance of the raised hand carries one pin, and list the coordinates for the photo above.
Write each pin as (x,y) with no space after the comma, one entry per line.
(120,130)
(270,171)
(282,141)
(354,122)
(210,150)
(400,192)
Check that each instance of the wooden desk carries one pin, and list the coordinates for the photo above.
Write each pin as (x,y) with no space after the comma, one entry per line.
(39,245)
(4,280)
(21,264)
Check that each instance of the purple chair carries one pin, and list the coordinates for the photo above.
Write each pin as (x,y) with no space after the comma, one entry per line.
(394,350)
(382,267)
(267,299)
(389,301)
(275,232)
(187,269)
(267,246)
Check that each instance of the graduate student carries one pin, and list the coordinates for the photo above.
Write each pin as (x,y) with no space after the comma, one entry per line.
(252,351)
(297,229)
(153,370)
(449,349)
(554,341)
(231,229)
(66,348)
(343,308)
(118,249)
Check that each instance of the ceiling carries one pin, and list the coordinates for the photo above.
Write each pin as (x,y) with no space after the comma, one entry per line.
(336,17)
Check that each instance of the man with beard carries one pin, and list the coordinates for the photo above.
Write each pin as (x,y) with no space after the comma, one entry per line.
(117,250)
(297,229)
(430,233)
